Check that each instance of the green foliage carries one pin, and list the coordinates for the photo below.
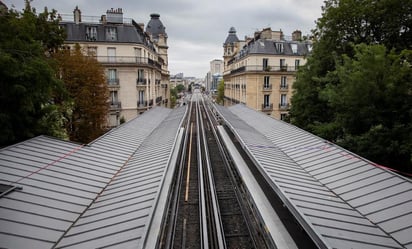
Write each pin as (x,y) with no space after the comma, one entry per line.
(122,120)
(373,104)
(173,97)
(29,88)
(220,92)
(180,88)
(356,88)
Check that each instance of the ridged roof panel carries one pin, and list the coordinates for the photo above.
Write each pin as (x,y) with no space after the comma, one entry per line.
(63,181)
(342,200)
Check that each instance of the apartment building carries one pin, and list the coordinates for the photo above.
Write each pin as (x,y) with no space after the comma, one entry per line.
(214,75)
(135,59)
(260,70)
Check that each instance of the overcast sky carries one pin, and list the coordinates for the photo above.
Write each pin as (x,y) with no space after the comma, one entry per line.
(197,29)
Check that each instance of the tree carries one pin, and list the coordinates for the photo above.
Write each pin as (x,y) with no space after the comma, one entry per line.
(85,82)
(173,97)
(338,93)
(180,88)
(29,88)
(221,92)
(373,104)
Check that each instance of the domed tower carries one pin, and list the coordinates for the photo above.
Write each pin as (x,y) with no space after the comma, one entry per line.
(230,46)
(155,27)
(158,33)
(230,42)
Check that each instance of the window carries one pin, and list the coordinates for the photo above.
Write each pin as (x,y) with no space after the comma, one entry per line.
(294,48)
(91,33)
(297,64)
(282,64)
(265,63)
(266,102)
(309,47)
(283,100)
(111,34)
(92,51)
(141,99)
(114,100)
(112,77)
(138,54)
(279,47)
(283,82)
(140,75)
(111,54)
(266,82)
(283,116)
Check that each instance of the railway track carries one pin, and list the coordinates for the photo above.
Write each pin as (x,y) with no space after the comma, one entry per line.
(208,208)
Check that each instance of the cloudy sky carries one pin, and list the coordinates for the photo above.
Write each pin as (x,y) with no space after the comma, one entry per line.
(197,29)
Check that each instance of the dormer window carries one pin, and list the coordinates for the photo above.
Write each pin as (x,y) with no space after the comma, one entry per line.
(279,47)
(111,34)
(309,46)
(294,48)
(91,33)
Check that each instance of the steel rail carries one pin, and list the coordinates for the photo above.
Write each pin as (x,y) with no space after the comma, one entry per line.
(232,171)
(215,219)
(170,235)
(202,195)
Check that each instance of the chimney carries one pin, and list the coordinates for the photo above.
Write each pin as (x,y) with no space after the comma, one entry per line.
(297,35)
(103,19)
(114,15)
(77,15)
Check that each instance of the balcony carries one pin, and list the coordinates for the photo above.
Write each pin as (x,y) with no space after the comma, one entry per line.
(260,68)
(141,82)
(267,87)
(159,99)
(283,106)
(141,105)
(115,106)
(238,70)
(284,87)
(133,60)
(113,83)
(267,107)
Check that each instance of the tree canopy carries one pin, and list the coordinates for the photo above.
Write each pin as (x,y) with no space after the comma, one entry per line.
(45,90)
(356,89)
(85,83)
(29,87)
(221,92)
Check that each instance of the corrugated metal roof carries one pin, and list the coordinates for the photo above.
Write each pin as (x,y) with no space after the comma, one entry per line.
(343,200)
(98,194)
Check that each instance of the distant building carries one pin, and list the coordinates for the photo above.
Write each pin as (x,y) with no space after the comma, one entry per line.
(216,70)
(135,60)
(260,70)
(216,78)
(177,80)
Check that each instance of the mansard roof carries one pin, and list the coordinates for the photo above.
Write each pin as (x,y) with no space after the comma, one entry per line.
(126,33)
(263,46)
(155,27)
(232,37)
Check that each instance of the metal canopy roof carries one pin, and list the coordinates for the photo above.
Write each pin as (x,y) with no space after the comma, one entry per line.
(89,196)
(341,199)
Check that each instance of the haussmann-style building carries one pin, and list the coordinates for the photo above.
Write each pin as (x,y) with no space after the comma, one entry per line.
(135,59)
(260,70)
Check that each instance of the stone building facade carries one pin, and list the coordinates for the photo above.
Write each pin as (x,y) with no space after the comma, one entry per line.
(135,59)
(260,70)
